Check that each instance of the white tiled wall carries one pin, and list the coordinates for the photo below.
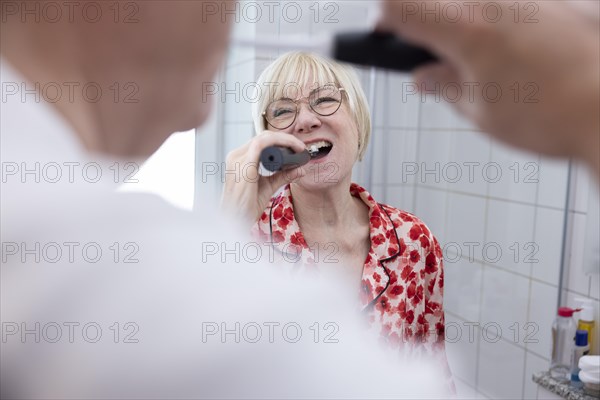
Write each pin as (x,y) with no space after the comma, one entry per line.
(502,199)
(514,184)
(577,283)
(522,213)
(501,371)
(541,341)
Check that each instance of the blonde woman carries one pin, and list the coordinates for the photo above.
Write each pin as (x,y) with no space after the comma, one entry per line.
(389,258)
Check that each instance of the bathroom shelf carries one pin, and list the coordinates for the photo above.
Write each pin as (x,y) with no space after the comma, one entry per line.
(564,390)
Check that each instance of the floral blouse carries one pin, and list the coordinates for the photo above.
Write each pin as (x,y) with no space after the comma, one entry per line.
(402,279)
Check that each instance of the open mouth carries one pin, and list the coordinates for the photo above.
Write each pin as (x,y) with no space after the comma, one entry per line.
(319,149)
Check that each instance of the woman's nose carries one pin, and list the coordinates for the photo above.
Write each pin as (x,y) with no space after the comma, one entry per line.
(307,120)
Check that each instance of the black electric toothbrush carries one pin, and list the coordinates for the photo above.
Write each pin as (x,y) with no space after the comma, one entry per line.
(367,48)
(277,158)
(379,49)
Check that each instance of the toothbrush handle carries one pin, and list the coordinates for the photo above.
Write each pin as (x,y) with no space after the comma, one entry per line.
(377,49)
(275,158)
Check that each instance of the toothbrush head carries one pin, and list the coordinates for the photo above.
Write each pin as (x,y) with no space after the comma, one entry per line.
(313,150)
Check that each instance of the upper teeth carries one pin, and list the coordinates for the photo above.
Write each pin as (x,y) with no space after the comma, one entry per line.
(317,145)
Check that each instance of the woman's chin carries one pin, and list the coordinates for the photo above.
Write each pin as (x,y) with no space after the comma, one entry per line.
(319,177)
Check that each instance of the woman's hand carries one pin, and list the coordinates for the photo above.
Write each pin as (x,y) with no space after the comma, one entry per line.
(246,193)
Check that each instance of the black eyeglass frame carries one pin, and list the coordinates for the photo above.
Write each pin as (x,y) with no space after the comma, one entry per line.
(340,89)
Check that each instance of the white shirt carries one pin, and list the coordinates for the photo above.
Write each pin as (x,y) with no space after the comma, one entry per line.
(113,295)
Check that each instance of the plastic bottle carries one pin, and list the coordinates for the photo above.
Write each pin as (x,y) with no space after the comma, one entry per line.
(586,321)
(580,349)
(563,335)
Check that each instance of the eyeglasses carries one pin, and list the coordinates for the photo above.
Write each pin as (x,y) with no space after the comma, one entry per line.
(324,101)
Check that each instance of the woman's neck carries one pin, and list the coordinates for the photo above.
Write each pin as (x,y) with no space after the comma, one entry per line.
(322,213)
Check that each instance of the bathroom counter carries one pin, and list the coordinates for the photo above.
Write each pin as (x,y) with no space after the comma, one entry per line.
(564,390)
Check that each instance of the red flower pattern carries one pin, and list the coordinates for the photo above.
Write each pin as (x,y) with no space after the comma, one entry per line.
(408,273)
(402,283)
(383,305)
(396,291)
(278,237)
(375,222)
(415,256)
(297,239)
(415,232)
(378,240)
(431,263)
(424,241)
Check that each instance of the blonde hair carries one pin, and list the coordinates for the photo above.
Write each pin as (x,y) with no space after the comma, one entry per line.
(295,69)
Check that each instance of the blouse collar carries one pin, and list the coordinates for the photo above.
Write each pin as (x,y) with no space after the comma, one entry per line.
(384,240)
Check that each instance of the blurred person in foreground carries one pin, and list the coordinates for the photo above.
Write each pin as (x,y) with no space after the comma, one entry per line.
(107,295)
(551,46)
